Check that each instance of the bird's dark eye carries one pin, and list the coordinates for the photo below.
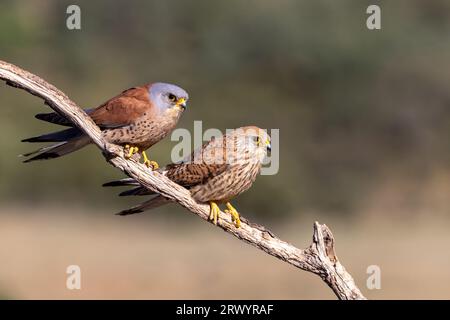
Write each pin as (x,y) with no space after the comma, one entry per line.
(172,97)
(257,140)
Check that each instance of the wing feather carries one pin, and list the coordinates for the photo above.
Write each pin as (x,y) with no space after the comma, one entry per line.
(203,164)
(123,109)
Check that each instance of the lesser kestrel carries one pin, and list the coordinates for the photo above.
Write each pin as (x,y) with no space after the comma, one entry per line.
(135,119)
(220,170)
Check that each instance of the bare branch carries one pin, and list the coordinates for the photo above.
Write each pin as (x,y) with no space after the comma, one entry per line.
(319,258)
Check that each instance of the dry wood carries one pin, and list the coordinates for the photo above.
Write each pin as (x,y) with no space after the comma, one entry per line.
(319,258)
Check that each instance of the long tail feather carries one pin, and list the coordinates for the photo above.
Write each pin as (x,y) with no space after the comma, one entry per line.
(147,205)
(59,136)
(139,191)
(121,182)
(43,149)
(56,118)
(59,149)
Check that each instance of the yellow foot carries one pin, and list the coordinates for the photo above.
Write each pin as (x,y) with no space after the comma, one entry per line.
(234,214)
(131,151)
(214,213)
(150,163)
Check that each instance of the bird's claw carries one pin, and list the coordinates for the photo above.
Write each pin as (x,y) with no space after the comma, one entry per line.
(151,164)
(214,212)
(131,151)
(234,215)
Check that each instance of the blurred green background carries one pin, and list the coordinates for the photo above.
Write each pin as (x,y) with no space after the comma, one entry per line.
(364,116)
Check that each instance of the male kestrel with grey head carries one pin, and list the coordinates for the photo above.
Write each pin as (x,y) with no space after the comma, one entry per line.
(135,119)
(217,172)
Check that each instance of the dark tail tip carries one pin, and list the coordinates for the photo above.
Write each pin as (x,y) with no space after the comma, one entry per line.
(125,193)
(53,117)
(32,139)
(112,184)
(128,212)
(40,116)
(139,191)
(43,156)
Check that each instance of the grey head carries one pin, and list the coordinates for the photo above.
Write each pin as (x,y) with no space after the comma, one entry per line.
(166,96)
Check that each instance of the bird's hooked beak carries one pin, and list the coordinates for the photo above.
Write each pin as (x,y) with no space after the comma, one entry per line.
(181,103)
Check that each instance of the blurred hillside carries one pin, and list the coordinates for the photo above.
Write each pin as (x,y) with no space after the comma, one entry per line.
(364,115)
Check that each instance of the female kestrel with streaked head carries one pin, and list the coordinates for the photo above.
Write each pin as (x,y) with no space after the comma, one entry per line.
(217,172)
(136,119)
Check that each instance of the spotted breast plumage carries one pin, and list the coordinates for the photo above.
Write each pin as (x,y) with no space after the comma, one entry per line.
(135,119)
(217,172)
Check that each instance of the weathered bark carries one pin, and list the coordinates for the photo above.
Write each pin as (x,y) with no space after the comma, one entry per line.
(319,258)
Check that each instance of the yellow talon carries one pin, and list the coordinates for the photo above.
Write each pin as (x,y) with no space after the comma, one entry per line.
(131,152)
(152,164)
(234,214)
(149,163)
(214,213)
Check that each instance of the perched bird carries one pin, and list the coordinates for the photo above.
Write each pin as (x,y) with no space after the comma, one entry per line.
(220,170)
(135,119)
